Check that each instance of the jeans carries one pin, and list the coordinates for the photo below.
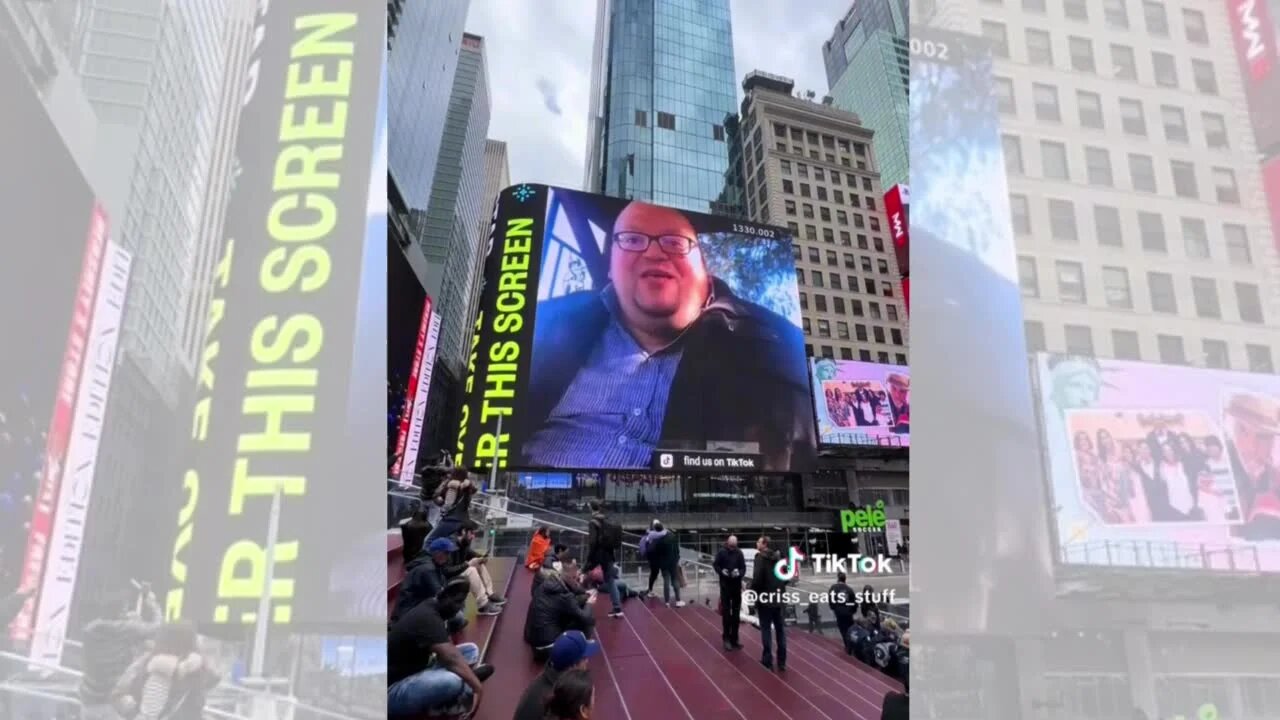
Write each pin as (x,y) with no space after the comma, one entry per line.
(610,573)
(845,623)
(669,584)
(447,527)
(432,690)
(731,609)
(771,617)
(654,571)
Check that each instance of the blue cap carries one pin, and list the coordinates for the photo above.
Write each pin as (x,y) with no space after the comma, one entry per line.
(571,648)
(443,544)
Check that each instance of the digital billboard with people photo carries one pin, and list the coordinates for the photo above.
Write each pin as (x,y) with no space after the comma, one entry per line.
(1162,466)
(616,334)
(862,403)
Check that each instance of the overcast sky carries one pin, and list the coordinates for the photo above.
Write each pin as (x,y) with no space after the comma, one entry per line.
(539,58)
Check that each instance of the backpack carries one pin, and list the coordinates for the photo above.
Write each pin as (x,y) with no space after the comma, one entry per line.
(610,534)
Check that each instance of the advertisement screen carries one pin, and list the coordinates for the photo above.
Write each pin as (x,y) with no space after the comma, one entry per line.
(407,328)
(897,205)
(1271,189)
(546,481)
(1162,466)
(621,335)
(862,403)
(1254,32)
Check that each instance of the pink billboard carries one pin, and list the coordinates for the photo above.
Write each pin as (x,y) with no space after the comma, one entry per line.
(862,403)
(1253,32)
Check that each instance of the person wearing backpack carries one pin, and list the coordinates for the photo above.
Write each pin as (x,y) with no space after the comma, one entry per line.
(769,588)
(604,538)
(647,543)
(666,551)
(453,497)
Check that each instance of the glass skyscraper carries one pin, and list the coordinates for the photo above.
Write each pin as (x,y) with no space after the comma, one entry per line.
(868,71)
(662,89)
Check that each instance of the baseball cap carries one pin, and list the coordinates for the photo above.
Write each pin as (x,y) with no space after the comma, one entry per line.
(443,544)
(571,648)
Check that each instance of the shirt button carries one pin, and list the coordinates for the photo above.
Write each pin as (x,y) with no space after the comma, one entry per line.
(622,440)
(636,412)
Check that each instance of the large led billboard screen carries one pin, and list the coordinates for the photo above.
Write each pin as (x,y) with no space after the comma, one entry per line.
(620,335)
(1254,32)
(1162,466)
(862,403)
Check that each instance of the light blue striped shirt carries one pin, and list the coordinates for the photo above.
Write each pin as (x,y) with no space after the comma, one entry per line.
(611,414)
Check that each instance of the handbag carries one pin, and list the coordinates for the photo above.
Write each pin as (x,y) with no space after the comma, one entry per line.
(680,581)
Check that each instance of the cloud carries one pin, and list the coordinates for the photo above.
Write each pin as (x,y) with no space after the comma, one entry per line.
(539,60)
(548,90)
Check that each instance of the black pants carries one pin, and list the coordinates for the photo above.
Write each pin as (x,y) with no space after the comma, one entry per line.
(771,619)
(845,623)
(654,571)
(731,609)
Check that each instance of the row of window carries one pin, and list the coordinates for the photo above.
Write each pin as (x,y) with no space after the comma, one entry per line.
(823,213)
(835,177)
(1133,120)
(850,261)
(667,121)
(817,279)
(860,331)
(1116,14)
(1109,232)
(1118,292)
(855,306)
(1123,60)
(829,142)
(1171,349)
(882,357)
(1055,165)
(829,235)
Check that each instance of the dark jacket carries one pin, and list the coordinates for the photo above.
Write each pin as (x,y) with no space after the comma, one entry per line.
(841,609)
(554,609)
(665,551)
(423,580)
(730,560)
(597,554)
(733,346)
(533,702)
(896,706)
(763,580)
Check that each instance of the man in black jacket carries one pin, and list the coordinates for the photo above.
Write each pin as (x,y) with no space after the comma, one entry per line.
(426,672)
(897,705)
(554,610)
(428,574)
(841,599)
(769,587)
(731,568)
(570,652)
(602,553)
(702,343)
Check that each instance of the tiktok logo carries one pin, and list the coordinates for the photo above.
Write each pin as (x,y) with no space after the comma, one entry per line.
(786,569)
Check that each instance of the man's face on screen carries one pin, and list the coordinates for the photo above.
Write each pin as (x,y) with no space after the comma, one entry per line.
(1254,444)
(655,285)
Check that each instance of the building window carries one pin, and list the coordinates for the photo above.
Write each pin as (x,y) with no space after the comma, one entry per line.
(1053,158)
(824,328)
(1237,242)
(717,132)
(804,190)
(1197,32)
(835,281)
(1171,350)
(1070,282)
(1166,70)
(1020,214)
(1115,284)
(820,303)
(1184,179)
(1106,223)
(808,211)
(1082,54)
(789,206)
(882,266)
(818,280)
(837,304)
(1163,298)
(892,311)
(1142,173)
(1151,226)
(856,306)
(808,326)
(828,235)
(842,217)
(864,355)
(1195,238)
(860,333)
(1124,345)
(804,301)
(1036,6)
(1028,278)
(1035,335)
(842,330)
(642,118)
(814,256)
(1215,354)
(1090,109)
(1123,63)
(1005,99)
(1132,119)
(788,187)
(1249,301)
(1156,18)
(1046,100)
(877,332)
(808,349)
(1259,359)
(1206,79)
(1205,293)
(1079,340)
(1175,124)
(824,213)
(666,121)
(1115,13)
(1225,188)
(1098,164)
(1075,9)
(1215,130)
(996,34)
(1039,48)
(1062,221)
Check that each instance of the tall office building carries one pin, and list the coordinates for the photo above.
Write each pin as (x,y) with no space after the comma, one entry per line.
(497,176)
(813,168)
(662,86)
(450,235)
(868,72)
(152,71)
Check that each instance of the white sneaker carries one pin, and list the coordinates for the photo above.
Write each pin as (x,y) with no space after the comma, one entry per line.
(680,603)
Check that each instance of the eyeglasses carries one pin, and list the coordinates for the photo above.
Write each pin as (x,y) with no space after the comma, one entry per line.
(638,242)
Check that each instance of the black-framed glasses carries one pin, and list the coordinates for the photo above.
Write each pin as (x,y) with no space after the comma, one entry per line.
(638,242)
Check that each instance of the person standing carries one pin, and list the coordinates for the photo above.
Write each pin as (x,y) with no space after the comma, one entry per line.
(841,600)
(769,587)
(648,551)
(453,497)
(730,567)
(667,550)
(604,537)
(111,644)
